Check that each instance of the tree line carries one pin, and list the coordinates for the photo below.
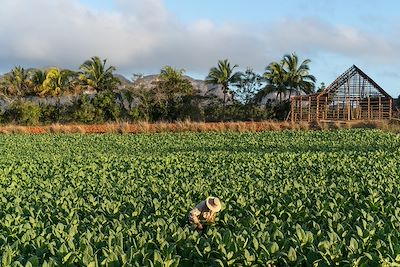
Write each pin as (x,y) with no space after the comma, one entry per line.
(98,96)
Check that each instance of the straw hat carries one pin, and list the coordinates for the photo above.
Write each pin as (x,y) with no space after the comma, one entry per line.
(213,204)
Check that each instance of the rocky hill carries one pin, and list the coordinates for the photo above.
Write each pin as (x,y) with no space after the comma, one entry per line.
(200,86)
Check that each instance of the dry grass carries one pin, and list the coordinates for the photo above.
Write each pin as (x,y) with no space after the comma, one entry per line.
(13,129)
(188,126)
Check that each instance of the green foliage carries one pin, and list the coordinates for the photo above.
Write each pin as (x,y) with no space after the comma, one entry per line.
(49,113)
(288,77)
(106,106)
(16,83)
(223,75)
(55,83)
(247,87)
(36,79)
(83,110)
(321,88)
(171,94)
(24,112)
(95,75)
(172,83)
(290,198)
(100,108)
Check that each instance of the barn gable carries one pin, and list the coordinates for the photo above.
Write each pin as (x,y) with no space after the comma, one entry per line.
(352,96)
(359,84)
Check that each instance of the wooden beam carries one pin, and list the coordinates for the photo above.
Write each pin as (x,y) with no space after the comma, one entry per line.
(326,108)
(292,108)
(301,108)
(369,108)
(348,109)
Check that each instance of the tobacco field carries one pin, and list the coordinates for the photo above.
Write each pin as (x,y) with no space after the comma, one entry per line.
(289,198)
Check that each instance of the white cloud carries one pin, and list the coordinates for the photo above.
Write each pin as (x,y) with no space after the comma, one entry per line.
(143,36)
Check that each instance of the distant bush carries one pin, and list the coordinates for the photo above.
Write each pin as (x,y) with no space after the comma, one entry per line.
(24,112)
(106,107)
(49,114)
(83,110)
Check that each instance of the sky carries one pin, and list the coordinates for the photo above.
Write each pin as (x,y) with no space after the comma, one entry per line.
(142,36)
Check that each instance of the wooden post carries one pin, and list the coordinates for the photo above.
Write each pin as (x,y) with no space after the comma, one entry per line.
(369,108)
(380,109)
(292,108)
(317,108)
(348,109)
(309,108)
(390,108)
(338,108)
(326,107)
(301,108)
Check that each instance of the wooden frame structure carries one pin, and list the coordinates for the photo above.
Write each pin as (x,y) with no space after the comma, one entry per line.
(352,96)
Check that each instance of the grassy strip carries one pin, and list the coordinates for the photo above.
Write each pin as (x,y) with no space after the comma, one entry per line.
(188,126)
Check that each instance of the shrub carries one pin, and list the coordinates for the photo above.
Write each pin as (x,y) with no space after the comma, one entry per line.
(83,110)
(106,107)
(24,112)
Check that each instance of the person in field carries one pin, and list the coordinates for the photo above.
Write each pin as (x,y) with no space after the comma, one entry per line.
(205,213)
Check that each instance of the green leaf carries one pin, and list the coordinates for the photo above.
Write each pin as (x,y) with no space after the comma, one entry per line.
(359,231)
(301,234)
(248,256)
(353,245)
(157,257)
(67,257)
(292,254)
(255,243)
(274,248)
(34,261)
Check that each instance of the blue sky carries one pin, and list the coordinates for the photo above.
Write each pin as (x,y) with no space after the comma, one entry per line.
(141,36)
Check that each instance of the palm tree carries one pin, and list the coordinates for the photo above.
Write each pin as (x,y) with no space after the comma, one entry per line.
(16,82)
(95,75)
(223,75)
(37,77)
(170,88)
(277,80)
(57,81)
(287,76)
(174,82)
(299,78)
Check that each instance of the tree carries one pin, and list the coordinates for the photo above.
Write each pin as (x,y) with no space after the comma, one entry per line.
(298,76)
(170,88)
(146,101)
(173,82)
(95,75)
(17,82)
(57,81)
(277,82)
(248,85)
(223,75)
(36,78)
(321,87)
(287,76)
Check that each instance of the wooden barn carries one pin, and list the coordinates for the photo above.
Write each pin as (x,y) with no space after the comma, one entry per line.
(352,96)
